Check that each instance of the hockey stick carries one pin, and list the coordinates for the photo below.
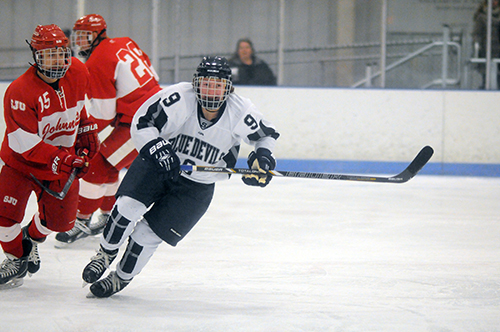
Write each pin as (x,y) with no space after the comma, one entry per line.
(60,195)
(413,168)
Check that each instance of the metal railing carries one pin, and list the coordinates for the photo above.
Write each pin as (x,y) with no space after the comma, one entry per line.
(359,58)
(444,80)
(493,70)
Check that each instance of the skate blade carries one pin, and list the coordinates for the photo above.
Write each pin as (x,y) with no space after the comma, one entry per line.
(14,283)
(61,245)
(94,232)
(91,296)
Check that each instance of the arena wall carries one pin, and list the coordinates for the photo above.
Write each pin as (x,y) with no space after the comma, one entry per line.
(375,130)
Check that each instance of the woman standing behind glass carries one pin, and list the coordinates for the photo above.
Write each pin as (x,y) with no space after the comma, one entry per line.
(247,68)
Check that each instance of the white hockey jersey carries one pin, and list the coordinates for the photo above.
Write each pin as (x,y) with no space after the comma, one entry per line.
(175,115)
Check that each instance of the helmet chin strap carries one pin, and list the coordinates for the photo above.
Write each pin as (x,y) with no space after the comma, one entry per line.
(97,40)
(211,111)
(35,65)
(44,77)
(210,115)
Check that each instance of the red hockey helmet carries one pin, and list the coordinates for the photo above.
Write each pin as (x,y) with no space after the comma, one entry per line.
(48,36)
(83,39)
(91,22)
(50,50)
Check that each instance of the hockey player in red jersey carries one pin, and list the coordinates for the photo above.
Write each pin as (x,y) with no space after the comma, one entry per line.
(48,134)
(122,79)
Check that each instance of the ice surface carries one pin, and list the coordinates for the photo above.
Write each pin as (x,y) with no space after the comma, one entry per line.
(299,255)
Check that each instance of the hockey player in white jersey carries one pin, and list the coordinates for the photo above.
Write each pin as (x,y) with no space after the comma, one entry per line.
(198,123)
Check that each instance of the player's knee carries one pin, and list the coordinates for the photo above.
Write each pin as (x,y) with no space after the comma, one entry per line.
(130,208)
(9,229)
(117,228)
(46,227)
(144,235)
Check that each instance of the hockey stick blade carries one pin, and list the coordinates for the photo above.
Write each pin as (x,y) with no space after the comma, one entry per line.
(417,164)
(59,195)
(413,168)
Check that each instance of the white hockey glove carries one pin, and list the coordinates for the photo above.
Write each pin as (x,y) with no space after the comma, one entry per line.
(160,152)
(263,161)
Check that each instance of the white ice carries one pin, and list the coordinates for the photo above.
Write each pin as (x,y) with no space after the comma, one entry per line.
(299,255)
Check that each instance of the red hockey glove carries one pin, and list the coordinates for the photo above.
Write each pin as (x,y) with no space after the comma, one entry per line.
(64,162)
(87,139)
(263,161)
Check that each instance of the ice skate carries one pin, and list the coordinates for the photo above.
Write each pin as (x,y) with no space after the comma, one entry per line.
(97,227)
(108,286)
(34,260)
(99,263)
(79,231)
(13,269)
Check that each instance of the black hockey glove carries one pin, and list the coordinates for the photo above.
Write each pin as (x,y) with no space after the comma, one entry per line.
(160,152)
(263,161)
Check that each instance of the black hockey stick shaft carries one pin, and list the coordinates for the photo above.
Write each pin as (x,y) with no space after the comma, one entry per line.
(409,172)
(59,195)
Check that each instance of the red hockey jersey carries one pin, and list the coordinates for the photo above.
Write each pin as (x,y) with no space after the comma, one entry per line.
(39,120)
(122,80)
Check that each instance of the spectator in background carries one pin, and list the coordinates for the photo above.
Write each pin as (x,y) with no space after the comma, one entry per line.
(479,35)
(247,68)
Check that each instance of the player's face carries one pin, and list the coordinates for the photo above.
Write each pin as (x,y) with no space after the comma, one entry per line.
(81,40)
(53,62)
(211,92)
(212,89)
(54,58)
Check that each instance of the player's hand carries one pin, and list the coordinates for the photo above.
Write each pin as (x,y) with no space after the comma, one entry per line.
(87,138)
(160,152)
(63,162)
(263,161)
